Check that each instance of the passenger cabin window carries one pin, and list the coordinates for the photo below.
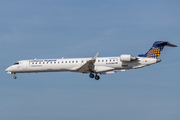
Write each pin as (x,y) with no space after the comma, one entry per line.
(76,61)
(102,60)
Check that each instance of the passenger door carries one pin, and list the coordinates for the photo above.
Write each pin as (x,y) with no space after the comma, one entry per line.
(24,65)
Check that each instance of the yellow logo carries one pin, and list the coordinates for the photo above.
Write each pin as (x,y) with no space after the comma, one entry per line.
(155,52)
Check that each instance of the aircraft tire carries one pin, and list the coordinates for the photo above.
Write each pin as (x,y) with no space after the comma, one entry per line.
(97,77)
(91,75)
(14,77)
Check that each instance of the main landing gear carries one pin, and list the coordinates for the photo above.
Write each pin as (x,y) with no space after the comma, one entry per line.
(91,75)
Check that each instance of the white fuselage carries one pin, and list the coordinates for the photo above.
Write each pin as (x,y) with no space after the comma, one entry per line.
(101,65)
(95,65)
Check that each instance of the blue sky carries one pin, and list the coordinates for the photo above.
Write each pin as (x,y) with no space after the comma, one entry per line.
(80,28)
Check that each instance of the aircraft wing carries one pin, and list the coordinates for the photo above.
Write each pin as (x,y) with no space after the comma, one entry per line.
(88,66)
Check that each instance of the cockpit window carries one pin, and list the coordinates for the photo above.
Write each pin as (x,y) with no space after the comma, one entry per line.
(17,63)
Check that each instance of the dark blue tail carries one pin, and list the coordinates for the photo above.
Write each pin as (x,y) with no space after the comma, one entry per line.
(156,49)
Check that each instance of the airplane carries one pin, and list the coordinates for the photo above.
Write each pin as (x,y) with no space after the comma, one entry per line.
(93,66)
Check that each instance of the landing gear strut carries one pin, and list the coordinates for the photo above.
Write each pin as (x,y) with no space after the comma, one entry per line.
(14,76)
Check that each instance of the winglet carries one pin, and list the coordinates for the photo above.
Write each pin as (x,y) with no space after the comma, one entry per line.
(94,58)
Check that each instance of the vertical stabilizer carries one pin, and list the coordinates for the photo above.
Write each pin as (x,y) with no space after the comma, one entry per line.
(156,49)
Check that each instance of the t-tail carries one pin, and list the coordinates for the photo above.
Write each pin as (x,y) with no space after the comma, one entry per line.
(156,49)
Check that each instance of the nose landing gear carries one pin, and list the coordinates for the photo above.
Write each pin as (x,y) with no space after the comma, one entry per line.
(14,76)
(91,75)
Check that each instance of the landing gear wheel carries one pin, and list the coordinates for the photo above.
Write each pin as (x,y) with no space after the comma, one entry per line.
(14,77)
(97,77)
(91,75)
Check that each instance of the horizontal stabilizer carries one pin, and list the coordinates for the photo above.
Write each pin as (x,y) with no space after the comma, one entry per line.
(166,44)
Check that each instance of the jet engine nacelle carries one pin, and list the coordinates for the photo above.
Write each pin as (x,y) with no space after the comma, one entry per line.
(127,58)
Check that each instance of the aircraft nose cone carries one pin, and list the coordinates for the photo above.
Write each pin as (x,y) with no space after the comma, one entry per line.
(8,69)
